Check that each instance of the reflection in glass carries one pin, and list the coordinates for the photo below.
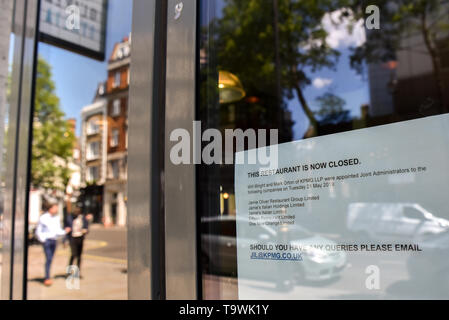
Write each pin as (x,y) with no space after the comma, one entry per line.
(229,87)
(6,43)
(78,194)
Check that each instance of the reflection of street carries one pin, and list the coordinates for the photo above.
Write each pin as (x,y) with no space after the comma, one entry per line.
(350,285)
(394,280)
(103,268)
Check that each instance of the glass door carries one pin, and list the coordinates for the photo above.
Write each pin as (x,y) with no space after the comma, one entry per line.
(349,201)
(77,209)
(67,106)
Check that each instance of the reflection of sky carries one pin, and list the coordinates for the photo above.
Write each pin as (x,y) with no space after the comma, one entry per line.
(344,82)
(77,77)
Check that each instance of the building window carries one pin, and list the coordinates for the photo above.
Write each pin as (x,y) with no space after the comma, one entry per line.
(101,90)
(126,50)
(93,127)
(93,150)
(116,80)
(92,174)
(116,108)
(115,137)
(115,169)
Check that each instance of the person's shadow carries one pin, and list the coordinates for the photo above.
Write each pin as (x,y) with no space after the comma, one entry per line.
(41,280)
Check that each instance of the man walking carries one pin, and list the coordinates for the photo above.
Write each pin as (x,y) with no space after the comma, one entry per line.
(48,231)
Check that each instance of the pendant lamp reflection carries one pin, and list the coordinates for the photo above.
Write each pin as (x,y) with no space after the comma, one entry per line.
(230,88)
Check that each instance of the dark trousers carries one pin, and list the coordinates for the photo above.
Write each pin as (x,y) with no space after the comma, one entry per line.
(49,249)
(76,246)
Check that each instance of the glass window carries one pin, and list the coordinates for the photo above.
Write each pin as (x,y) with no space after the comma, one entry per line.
(337,80)
(117,78)
(115,169)
(6,62)
(93,174)
(115,135)
(71,155)
(93,150)
(93,127)
(412,213)
(116,108)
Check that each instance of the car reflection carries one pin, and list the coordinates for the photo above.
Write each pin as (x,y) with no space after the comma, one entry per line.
(393,221)
(219,251)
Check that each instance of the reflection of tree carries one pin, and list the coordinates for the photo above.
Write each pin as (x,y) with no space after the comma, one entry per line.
(401,19)
(245,38)
(53,140)
(331,109)
(246,33)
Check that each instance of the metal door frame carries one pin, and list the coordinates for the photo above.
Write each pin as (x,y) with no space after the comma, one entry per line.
(162,238)
(180,180)
(145,157)
(162,235)
(25,24)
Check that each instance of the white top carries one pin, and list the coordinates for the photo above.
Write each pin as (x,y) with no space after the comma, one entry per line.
(49,228)
(77,227)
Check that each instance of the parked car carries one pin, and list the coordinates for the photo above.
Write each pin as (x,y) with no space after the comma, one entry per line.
(393,221)
(219,249)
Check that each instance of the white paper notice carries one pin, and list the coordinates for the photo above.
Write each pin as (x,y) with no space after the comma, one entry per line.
(360,214)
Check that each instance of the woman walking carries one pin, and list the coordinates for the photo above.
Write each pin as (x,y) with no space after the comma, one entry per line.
(78,226)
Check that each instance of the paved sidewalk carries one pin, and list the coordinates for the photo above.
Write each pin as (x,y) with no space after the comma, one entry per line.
(102,277)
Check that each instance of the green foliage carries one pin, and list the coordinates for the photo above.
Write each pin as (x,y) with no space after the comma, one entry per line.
(53,140)
(330,105)
(245,42)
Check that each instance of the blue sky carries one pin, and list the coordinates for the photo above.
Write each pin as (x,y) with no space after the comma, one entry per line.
(343,82)
(76,77)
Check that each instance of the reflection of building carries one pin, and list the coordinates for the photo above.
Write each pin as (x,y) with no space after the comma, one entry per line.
(407,85)
(93,154)
(416,90)
(104,143)
(115,192)
(381,99)
(74,183)
(93,142)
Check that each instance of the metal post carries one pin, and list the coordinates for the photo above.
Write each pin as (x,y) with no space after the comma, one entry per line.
(145,164)
(180,204)
(18,150)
